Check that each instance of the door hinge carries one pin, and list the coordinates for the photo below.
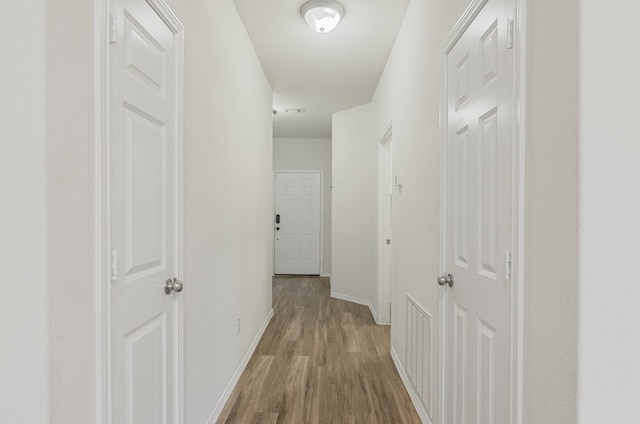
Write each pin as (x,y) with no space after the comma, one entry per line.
(507,264)
(114,265)
(509,34)
(113,28)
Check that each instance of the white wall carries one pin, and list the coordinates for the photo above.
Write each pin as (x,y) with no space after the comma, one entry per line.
(409,94)
(70,213)
(551,212)
(228,199)
(309,154)
(609,341)
(24,346)
(354,213)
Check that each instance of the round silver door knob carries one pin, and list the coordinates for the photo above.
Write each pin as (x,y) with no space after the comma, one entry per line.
(177,285)
(174,285)
(444,280)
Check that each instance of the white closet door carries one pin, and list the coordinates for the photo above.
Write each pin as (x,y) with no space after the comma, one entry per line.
(479,216)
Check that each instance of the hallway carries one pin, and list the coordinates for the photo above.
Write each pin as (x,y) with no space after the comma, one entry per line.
(321,360)
(141,140)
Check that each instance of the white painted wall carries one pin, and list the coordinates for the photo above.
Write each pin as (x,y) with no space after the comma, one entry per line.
(354,213)
(309,154)
(70,209)
(608,314)
(228,199)
(409,94)
(24,346)
(551,212)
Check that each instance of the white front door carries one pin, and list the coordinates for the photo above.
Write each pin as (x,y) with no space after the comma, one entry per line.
(297,223)
(144,216)
(478,218)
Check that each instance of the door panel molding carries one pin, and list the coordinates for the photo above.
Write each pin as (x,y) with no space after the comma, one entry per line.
(518,199)
(102,204)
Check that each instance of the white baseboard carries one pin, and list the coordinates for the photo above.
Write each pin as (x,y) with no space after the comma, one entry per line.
(236,376)
(326,274)
(359,301)
(412,393)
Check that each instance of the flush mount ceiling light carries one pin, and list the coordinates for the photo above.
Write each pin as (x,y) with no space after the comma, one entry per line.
(322,15)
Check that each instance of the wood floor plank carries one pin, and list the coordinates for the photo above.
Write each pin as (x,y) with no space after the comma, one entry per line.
(265,418)
(320,361)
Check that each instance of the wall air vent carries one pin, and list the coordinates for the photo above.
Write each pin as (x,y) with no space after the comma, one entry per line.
(419,353)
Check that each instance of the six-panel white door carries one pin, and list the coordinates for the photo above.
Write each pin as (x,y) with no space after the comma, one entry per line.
(478,220)
(297,234)
(143,211)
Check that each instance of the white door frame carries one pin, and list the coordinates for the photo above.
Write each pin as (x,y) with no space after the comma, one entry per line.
(102,206)
(384,316)
(518,191)
(306,171)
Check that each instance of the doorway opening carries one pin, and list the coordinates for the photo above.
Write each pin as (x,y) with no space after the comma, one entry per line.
(386,228)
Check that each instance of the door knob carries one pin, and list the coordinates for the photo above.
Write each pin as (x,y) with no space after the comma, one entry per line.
(443,280)
(173,285)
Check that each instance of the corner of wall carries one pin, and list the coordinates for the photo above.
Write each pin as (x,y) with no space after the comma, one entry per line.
(354,229)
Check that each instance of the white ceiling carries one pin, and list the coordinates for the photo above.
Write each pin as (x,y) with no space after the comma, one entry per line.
(322,73)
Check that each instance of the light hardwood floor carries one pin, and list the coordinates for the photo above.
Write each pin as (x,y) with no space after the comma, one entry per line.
(320,361)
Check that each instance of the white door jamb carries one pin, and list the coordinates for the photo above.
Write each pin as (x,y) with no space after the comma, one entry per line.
(384,317)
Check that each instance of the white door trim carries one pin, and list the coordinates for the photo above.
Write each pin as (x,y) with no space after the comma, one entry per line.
(518,209)
(306,171)
(384,317)
(102,206)
(103,318)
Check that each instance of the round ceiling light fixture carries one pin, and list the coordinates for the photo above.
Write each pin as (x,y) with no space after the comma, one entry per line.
(322,15)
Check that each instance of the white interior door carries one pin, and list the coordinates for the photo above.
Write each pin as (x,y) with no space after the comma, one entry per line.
(478,219)
(145,230)
(297,224)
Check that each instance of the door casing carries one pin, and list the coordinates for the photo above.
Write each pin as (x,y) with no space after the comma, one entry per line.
(384,286)
(518,202)
(102,205)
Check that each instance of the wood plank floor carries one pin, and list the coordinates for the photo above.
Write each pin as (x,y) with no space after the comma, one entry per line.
(320,361)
